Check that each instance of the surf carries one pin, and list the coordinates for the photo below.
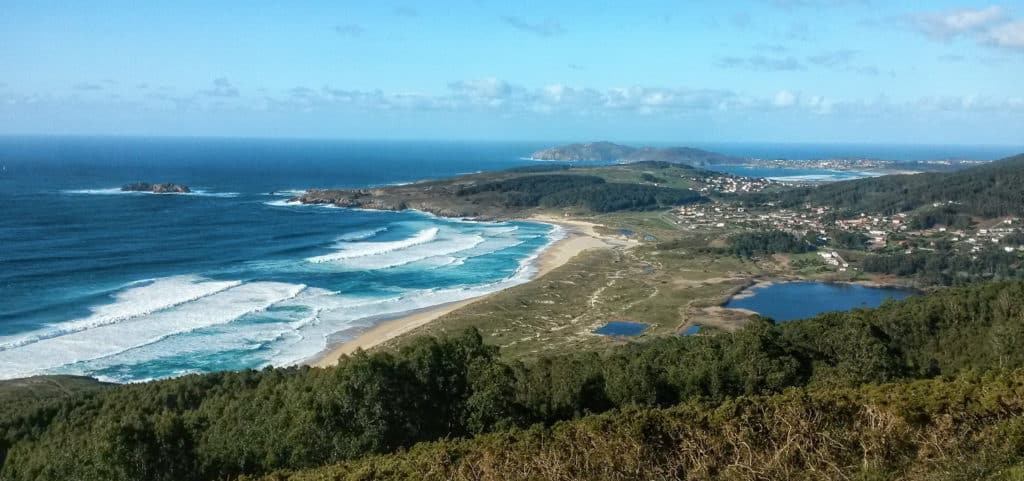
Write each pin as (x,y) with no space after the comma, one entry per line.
(364,249)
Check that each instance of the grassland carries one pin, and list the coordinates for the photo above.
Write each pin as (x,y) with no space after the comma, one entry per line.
(668,290)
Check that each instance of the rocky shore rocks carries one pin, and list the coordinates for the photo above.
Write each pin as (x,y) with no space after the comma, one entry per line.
(156,188)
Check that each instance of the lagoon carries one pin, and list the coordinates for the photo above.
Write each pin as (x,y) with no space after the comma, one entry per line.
(622,328)
(798,300)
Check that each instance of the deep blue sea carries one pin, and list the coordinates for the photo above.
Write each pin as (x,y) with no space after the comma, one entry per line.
(798,300)
(132,286)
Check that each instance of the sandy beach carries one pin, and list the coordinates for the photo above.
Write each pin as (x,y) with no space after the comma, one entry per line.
(579,236)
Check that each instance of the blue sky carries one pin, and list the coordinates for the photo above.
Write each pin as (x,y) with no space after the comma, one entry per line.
(760,70)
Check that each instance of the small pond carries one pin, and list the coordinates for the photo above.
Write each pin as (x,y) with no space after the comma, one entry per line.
(622,328)
(796,300)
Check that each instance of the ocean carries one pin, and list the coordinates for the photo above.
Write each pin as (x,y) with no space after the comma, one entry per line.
(132,286)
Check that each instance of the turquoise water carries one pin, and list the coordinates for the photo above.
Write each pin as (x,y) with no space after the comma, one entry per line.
(622,328)
(793,175)
(798,300)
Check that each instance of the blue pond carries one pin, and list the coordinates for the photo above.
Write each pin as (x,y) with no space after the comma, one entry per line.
(797,300)
(622,328)
(691,330)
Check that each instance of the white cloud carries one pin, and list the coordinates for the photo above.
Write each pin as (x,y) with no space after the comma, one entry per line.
(989,26)
(546,28)
(1009,35)
(947,25)
(222,87)
(784,98)
(487,89)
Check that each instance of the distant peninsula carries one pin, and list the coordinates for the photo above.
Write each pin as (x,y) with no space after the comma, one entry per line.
(166,188)
(612,152)
(625,154)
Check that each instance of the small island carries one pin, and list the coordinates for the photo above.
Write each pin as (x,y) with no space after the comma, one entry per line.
(166,188)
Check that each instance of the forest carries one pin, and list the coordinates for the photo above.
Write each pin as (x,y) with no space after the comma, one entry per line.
(987,191)
(669,390)
(589,192)
(759,243)
(944,267)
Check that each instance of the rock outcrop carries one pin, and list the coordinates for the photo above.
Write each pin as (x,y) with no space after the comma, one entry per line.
(156,188)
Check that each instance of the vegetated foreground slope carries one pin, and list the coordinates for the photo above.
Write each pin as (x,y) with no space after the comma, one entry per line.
(222,425)
(967,428)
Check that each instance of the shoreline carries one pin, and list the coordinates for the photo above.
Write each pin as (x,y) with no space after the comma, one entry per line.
(578,237)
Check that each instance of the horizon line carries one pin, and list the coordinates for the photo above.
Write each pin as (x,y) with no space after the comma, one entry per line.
(679,143)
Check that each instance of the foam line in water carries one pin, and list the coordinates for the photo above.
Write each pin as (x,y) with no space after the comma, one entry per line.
(361,235)
(143,299)
(409,255)
(288,193)
(111,339)
(281,203)
(363,249)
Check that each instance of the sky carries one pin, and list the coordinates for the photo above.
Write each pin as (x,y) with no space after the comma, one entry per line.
(949,72)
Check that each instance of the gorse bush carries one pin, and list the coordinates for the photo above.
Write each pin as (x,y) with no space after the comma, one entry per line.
(962,429)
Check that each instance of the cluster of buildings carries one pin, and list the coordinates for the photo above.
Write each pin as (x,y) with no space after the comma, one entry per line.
(881,231)
(976,240)
(729,184)
(825,164)
(732,216)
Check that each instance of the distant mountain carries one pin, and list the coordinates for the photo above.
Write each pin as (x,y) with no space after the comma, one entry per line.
(590,151)
(991,190)
(612,152)
(682,155)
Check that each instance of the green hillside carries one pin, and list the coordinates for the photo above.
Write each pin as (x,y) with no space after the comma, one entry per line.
(968,428)
(991,190)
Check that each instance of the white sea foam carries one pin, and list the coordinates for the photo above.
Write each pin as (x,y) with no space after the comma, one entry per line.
(281,203)
(204,193)
(363,249)
(111,339)
(288,193)
(415,253)
(361,235)
(142,299)
(500,230)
